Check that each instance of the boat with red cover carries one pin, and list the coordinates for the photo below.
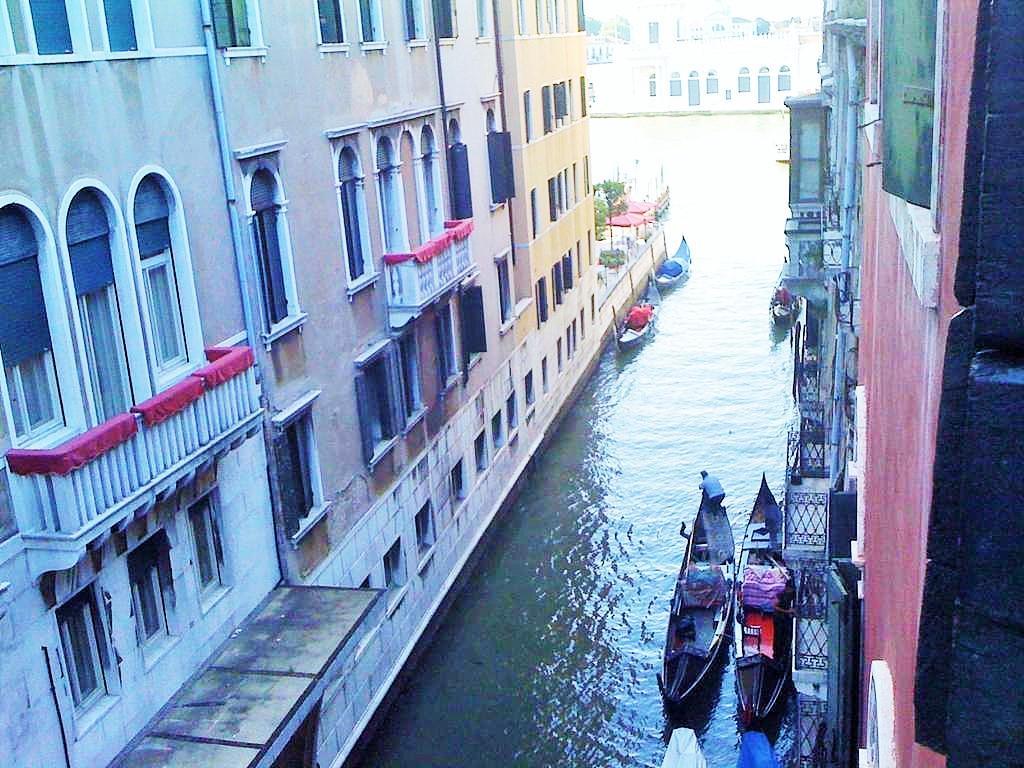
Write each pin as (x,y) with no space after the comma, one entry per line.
(764,617)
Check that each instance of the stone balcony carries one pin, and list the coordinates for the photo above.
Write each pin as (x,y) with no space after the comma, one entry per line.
(418,278)
(70,498)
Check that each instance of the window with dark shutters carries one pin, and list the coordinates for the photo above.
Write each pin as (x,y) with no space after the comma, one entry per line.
(542,301)
(553,199)
(474,328)
(293,479)
(556,283)
(581,17)
(908,98)
(268,247)
(583,96)
(88,236)
(330,21)
(444,18)
(151,218)
(24,328)
(231,23)
(567,271)
(561,100)
(461,192)
(499,153)
(547,108)
(50,24)
(120,25)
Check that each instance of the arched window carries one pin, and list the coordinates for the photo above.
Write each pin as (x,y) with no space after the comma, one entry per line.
(712,82)
(743,81)
(92,268)
(267,229)
(160,280)
(490,121)
(389,184)
(785,79)
(408,161)
(34,397)
(675,85)
(459,185)
(355,241)
(431,182)
(652,85)
(693,89)
(454,132)
(764,86)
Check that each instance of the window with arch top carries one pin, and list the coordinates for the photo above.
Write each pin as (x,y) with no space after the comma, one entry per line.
(764,86)
(693,89)
(389,186)
(652,85)
(785,79)
(712,84)
(675,85)
(355,242)
(431,182)
(270,252)
(743,81)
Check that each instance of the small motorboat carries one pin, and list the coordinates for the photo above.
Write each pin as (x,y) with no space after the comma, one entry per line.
(701,614)
(675,269)
(756,751)
(639,324)
(764,616)
(684,751)
(783,305)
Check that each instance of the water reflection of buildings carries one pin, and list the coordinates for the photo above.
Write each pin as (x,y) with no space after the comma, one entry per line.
(700,57)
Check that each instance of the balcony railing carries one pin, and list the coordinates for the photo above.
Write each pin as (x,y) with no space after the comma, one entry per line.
(417,278)
(69,496)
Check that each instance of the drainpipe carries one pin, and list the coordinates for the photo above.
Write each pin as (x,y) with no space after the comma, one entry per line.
(500,66)
(849,205)
(444,105)
(237,245)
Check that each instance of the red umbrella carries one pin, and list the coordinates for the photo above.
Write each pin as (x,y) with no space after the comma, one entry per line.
(635,207)
(626,220)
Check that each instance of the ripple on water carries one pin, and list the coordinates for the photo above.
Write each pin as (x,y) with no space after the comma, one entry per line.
(548,658)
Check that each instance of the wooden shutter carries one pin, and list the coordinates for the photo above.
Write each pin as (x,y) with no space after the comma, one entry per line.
(567,271)
(24,328)
(120,25)
(223,31)
(240,23)
(365,419)
(499,153)
(396,398)
(263,190)
(908,98)
(552,200)
(474,330)
(290,488)
(50,22)
(462,197)
(270,264)
(561,100)
(542,301)
(546,108)
(444,24)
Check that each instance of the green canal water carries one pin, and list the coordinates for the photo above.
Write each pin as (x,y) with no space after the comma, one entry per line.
(548,657)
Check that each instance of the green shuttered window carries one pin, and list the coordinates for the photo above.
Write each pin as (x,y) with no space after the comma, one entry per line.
(231,23)
(908,98)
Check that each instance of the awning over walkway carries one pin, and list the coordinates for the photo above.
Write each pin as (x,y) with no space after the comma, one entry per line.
(241,710)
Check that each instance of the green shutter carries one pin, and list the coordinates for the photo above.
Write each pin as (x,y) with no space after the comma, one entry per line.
(908,98)
(222,23)
(240,21)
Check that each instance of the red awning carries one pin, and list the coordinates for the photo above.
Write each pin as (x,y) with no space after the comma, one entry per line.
(76,452)
(626,220)
(639,207)
(227,362)
(172,400)
(453,230)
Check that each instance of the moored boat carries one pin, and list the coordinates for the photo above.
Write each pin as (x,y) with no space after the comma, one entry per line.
(674,269)
(784,305)
(638,325)
(701,612)
(763,616)
(684,751)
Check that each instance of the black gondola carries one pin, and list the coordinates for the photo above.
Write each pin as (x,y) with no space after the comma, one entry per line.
(764,618)
(701,614)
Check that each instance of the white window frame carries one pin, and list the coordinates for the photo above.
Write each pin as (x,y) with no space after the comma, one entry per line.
(257,46)
(395,206)
(163,631)
(431,216)
(160,377)
(451,354)
(63,353)
(89,605)
(301,410)
(209,512)
(425,539)
(395,574)
(328,47)
(420,33)
(484,28)
(377,18)
(505,292)
(295,315)
(409,371)
(370,272)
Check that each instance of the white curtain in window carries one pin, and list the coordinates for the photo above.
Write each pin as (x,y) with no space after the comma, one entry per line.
(164,312)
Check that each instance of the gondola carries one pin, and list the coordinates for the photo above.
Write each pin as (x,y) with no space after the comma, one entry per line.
(684,751)
(763,615)
(783,313)
(676,269)
(701,614)
(631,336)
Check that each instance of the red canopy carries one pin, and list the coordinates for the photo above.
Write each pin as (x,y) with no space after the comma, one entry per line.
(639,207)
(626,220)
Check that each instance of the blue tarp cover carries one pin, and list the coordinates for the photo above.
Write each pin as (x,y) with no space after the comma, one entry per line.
(756,752)
(670,268)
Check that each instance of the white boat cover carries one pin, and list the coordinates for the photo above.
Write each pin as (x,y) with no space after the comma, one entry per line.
(684,751)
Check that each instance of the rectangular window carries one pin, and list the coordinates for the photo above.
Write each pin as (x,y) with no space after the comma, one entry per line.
(579,260)
(504,290)
(209,559)
(414,29)
(586,175)
(548,108)
(542,301)
(558,346)
(458,482)
(444,17)
(34,395)
(160,284)
(528,116)
(269,257)
(593,309)
(575,340)
(528,388)
(50,23)
(394,566)
(81,633)
(331,30)
(511,413)
(590,249)
(561,103)
(149,572)
(425,536)
(120,25)
(568,342)
(553,199)
(480,450)
(534,213)
(231,23)
(544,374)
(447,361)
(370,22)
(521,14)
(583,96)
(379,414)
(408,352)
(556,283)
(567,274)
(583,327)
(575,185)
(483,18)
(497,432)
(298,470)
(652,32)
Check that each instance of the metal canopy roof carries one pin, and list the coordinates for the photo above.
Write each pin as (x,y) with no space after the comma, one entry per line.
(240,710)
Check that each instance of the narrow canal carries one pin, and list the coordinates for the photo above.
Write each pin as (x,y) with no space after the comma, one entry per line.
(548,658)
